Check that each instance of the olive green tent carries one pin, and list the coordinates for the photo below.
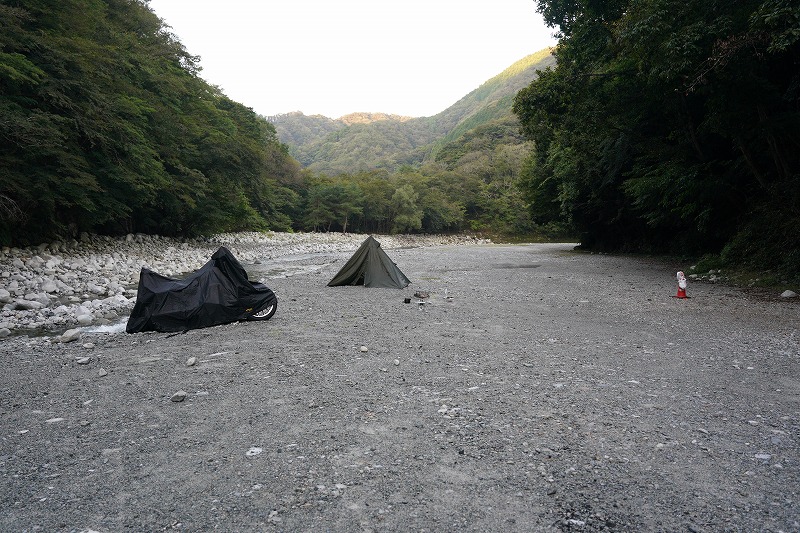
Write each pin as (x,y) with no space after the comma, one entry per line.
(370,267)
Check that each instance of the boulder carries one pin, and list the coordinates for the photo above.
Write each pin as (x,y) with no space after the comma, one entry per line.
(27,305)
(70,335)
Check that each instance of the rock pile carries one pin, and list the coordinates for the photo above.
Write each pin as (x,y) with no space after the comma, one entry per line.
(93,280)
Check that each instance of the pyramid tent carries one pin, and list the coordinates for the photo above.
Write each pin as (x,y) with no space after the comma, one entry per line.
(370,267)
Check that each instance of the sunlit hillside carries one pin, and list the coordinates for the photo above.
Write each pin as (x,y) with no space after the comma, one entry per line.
(367,141)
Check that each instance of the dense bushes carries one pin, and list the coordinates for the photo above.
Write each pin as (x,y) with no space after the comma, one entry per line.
(671,125)
(107,126)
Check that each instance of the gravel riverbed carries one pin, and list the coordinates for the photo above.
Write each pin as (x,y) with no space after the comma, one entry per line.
(535,389)
(92,281)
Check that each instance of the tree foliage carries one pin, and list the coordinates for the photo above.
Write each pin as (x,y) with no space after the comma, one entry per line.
(106,126)
(472,185)
(670,125)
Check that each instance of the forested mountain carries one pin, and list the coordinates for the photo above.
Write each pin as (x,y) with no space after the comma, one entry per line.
(106,126)
(296,129)
(455,171)
(671,126)
(379,141)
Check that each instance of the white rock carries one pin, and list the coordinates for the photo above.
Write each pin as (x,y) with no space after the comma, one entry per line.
(96,289)
(255,450)
(49,286)
(788,294)
(85,320)
(191,361)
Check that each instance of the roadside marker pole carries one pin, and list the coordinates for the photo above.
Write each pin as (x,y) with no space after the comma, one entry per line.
(681,286)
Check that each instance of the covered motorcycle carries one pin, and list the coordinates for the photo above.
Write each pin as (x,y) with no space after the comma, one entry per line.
(218,293)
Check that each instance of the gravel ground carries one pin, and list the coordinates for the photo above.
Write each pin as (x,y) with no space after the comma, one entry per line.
(536,389)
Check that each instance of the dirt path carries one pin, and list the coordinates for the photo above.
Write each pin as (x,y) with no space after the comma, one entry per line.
(537,390)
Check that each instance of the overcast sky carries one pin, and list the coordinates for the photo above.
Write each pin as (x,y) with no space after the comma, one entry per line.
(411,57)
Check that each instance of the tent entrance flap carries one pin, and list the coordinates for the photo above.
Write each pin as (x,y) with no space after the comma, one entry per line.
(371,267)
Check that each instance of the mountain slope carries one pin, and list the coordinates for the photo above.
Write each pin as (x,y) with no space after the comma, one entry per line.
(362,142)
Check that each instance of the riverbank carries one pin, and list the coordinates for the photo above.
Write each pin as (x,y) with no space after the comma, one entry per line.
(92,281)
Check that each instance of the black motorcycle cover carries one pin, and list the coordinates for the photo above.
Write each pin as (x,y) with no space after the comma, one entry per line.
(218,293)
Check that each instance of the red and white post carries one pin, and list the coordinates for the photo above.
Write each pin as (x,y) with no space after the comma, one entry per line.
(681,285)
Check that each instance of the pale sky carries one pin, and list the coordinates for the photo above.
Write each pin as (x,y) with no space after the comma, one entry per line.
(411,57)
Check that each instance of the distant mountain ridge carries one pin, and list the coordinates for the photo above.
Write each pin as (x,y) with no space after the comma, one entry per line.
(367,141)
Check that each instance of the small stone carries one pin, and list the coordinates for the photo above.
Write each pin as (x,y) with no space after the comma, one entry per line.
(49,286)
(85,320)
(178,396)
(83,360)
(788,294)
(191,361)
(397,362)
(70,335)
(102,372)
(364,349)
(88,345)
(253,451)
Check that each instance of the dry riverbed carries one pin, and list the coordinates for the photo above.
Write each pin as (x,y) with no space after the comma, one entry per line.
(535,389)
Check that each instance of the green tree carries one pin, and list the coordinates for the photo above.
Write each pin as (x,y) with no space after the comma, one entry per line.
(377,189)
(333,203)
(669,125)
(106,126)
(407,214)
